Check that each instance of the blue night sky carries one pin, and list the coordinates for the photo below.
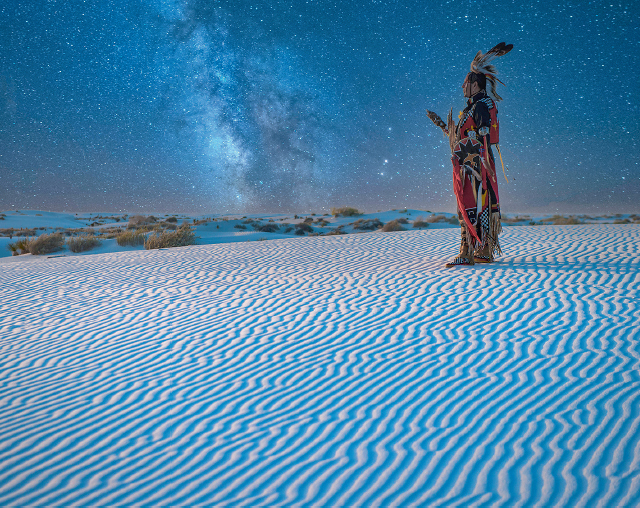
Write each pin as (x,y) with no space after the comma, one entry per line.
(265,106)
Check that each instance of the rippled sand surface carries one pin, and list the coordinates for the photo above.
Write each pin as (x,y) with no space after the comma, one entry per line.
(326,371)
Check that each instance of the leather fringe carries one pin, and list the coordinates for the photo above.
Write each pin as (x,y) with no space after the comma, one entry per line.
(495,228)
(471,243)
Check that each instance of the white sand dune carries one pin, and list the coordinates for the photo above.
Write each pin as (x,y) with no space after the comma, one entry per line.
(326,371)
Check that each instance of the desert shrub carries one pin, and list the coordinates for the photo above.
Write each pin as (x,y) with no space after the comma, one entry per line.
(46,243)
(420,223)
(268,228)
(82,243)
(141,220)
(336,231)
(111,233)
(622,221)
(308,220)
(172,219)
(558,220)
(432,219)
(240,226)
(25,232)
(392,225)
(19,246)
(130,238)
(344,211)
(288,229)
(517,218)
(303,228)
(367,224)
(402,220)
(184,235)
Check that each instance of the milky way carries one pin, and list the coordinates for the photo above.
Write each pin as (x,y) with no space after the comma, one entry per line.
(214,107)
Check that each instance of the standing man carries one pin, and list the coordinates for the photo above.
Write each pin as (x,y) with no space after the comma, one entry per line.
(474,172)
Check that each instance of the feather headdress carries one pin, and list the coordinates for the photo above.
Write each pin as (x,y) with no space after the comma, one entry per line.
(481,64)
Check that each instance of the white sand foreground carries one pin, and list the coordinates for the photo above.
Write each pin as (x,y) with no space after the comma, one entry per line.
(326,371)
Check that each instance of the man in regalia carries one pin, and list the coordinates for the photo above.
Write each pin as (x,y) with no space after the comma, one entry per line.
(474,171)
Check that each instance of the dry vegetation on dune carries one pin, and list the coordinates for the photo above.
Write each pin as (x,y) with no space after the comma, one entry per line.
(183,236)
(46,244)
(559,220)
(303,228)
(632,219)
(19,247)
(367,224)
(130,238)
(345,211)
(433,219)
(82,243)
(43,244)
(393,225)
(420,223)
(136,221)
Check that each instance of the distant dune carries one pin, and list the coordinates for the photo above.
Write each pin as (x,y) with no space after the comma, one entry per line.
(105,228)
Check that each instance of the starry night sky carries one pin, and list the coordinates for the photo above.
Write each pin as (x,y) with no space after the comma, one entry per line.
(300,105)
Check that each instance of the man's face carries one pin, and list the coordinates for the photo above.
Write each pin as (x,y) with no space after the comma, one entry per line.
(469,89)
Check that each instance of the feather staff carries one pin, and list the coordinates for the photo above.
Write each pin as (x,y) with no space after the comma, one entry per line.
(448,129)
(438,121)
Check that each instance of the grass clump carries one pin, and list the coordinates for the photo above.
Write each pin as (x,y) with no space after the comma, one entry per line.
(130,239)
(46,243)
(559,220)
(268,228)
(420,223)
(19,247)
(82,243)
(345,211)
(392,225)
(183,236)
(303,228)
(140,220)
(367,225)
(516,219)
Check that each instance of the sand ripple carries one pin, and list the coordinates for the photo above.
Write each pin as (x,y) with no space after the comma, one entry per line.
(326,371)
